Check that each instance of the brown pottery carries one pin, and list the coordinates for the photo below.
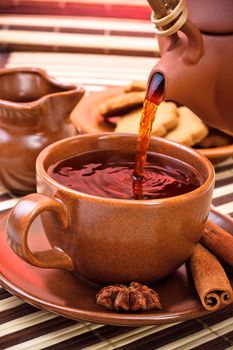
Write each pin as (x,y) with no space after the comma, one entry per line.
(34,112)
(106,240)
(58,291)
(197,61)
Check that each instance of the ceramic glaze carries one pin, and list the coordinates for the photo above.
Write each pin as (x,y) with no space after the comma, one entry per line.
(197,62)
(34,112)
(106,240)
(58,291)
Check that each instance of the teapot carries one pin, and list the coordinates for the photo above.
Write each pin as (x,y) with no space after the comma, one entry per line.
(34,112)
(196,46)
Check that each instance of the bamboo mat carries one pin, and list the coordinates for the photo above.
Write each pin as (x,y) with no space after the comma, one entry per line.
(106,27)
(112,42)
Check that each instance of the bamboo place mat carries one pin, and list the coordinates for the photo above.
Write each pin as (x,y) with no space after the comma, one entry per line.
(112,43)
(109,27)
(137,9)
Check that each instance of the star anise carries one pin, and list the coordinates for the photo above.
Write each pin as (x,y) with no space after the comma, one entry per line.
(134,297)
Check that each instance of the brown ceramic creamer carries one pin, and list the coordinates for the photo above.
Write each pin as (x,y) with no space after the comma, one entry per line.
(34,112)
(197,58)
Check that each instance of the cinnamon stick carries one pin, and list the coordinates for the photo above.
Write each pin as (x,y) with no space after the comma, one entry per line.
(219,241)
(210,279)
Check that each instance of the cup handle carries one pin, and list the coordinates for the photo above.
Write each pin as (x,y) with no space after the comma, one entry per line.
(19,222)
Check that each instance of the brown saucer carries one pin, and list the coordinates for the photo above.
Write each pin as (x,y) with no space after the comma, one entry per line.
(60,292)
(85,116)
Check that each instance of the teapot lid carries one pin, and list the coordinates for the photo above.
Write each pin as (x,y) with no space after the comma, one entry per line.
(211,16)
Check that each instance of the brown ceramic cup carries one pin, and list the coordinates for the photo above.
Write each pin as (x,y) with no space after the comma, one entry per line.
(106,240)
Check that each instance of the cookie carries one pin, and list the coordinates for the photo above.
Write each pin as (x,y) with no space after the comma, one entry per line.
(190,129)
(166,115)
(166,119)
(215,138)
(130,124)
(136,85)
(121,104)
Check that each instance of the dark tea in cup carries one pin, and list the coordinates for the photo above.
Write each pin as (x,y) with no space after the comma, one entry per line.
(110,174)
(104,239)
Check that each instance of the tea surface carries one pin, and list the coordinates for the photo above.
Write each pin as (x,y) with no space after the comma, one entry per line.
(109,173)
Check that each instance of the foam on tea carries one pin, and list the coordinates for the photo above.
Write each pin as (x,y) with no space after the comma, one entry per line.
(108,173)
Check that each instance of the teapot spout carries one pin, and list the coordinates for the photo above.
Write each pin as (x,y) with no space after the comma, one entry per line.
(155,90)
(196,65)
(181,54)
(200,86)
(168,76)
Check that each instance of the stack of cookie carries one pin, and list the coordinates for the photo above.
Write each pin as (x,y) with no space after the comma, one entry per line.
(175,123)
